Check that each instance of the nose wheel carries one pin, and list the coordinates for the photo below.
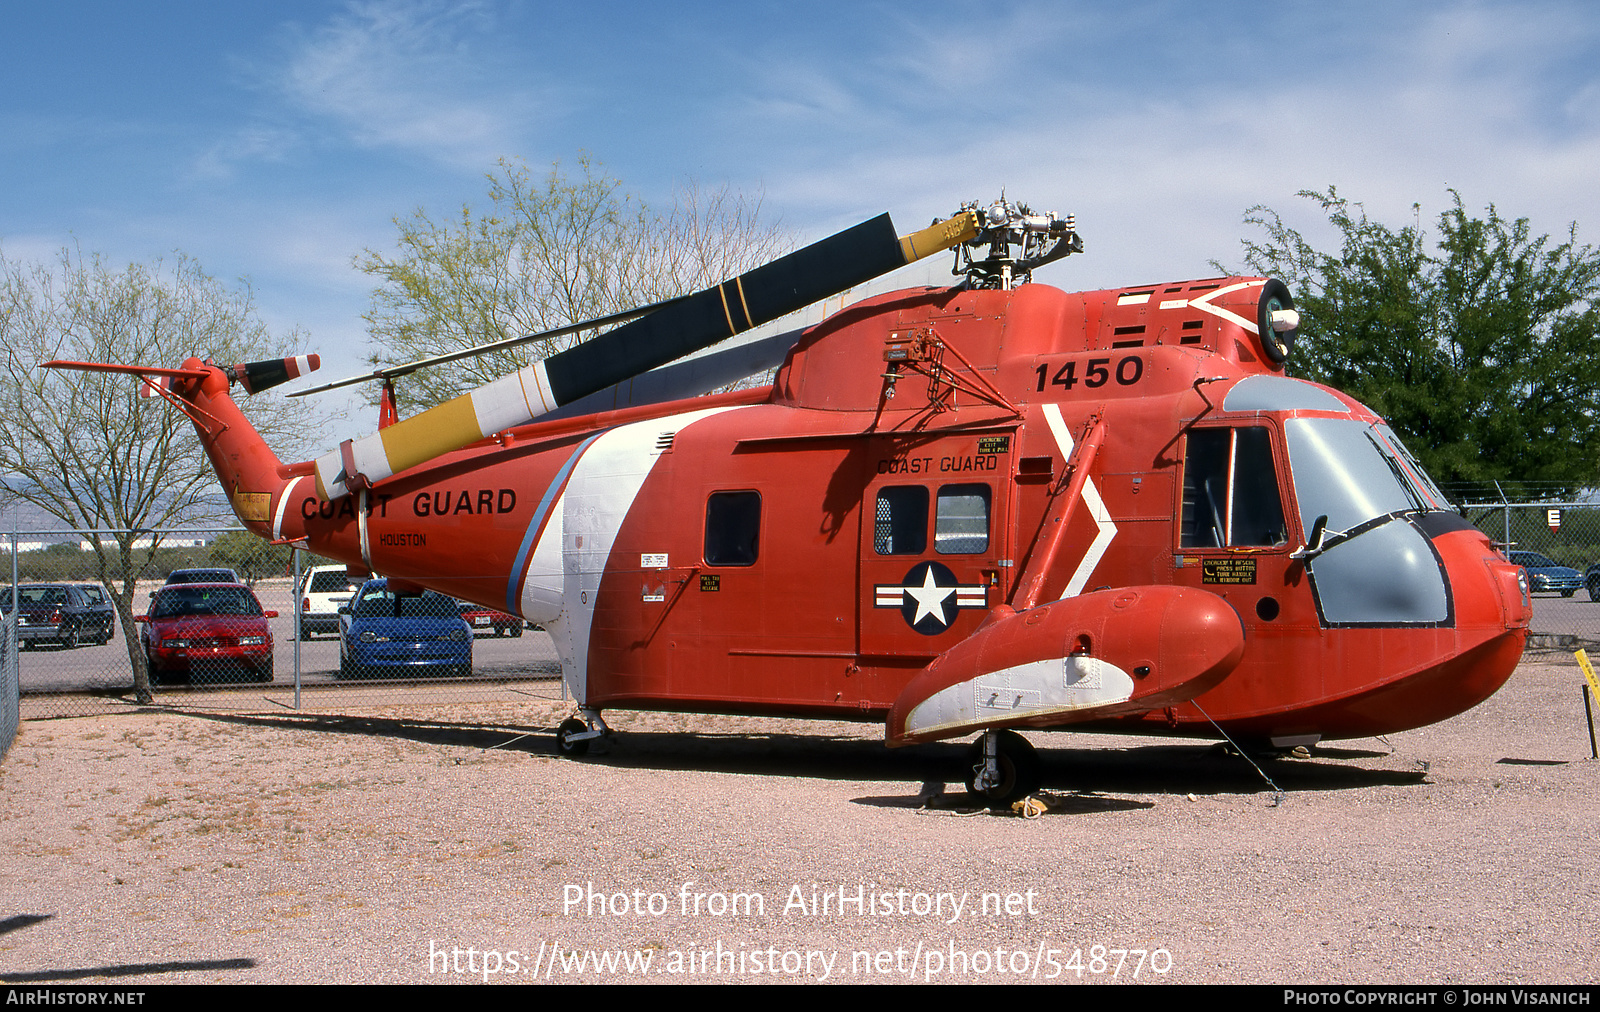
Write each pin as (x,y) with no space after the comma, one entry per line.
(1002,767)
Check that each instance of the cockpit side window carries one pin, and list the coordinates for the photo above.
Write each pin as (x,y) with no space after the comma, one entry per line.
(1230,490)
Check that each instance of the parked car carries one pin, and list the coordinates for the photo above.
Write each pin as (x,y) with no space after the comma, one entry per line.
(215,630)
(202,576)
(487,620)
(384,633)
(64,613)
(1546,576)
(1591,577)
(324,591)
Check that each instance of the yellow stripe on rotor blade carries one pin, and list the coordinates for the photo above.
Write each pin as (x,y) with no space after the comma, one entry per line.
(420,438)
(722,290)
(941,235)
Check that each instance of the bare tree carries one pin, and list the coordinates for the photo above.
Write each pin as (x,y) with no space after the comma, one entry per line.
(86,447)
(549,252)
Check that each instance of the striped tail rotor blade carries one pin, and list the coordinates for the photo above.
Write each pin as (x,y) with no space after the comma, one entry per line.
(258,376)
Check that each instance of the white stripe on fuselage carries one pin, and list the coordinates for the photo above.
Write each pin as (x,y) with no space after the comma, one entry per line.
(576,544)
(1091,498)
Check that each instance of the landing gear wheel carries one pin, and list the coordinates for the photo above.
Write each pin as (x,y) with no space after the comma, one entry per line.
(1019,769)
(564,743)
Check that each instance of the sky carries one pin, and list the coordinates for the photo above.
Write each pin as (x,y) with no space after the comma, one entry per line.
(277,141)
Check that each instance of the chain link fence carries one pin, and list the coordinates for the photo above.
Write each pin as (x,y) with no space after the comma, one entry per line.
(74,645)
(1558,543)
(87,612)
(10,699)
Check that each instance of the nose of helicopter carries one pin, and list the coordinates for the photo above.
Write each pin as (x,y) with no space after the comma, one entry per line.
(1464,661)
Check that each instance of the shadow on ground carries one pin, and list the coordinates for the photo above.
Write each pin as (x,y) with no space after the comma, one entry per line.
(1179,768)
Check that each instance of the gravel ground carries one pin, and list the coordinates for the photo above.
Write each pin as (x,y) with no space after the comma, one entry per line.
(444,843)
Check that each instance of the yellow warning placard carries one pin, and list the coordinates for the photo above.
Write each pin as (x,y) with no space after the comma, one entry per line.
(1588,673)
(254,507)
(1229,570)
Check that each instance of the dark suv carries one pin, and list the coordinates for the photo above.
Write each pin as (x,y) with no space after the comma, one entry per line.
(62,613)
(202,576)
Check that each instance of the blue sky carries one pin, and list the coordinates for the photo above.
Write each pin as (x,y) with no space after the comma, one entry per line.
(275,141)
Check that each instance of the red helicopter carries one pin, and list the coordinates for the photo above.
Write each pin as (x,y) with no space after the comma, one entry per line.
(956,510)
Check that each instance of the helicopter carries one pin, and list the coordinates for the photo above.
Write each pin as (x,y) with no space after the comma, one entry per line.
(955,510)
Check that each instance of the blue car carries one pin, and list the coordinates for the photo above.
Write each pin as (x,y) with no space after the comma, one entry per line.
(1546,576)
(384,634)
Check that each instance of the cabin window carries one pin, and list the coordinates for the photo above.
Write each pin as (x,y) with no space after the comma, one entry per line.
(900,526)
(733,528)
(1230,490)
(961,520)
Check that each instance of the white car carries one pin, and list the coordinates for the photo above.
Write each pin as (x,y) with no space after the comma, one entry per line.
(325,590)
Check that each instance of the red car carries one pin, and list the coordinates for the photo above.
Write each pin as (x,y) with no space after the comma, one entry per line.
(215,629)
(486,620)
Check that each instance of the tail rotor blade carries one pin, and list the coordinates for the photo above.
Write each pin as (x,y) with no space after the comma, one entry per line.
(258,376)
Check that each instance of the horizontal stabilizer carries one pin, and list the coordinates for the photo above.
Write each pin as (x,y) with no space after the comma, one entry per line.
(132,370)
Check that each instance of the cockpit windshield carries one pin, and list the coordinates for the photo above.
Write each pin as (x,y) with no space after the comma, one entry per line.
(1352,472)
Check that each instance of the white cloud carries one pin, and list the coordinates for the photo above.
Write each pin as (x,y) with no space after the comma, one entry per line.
(1473,97)
(413,76)
(255,143)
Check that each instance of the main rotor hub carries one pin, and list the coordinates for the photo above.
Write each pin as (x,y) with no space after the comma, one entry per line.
(1018,240)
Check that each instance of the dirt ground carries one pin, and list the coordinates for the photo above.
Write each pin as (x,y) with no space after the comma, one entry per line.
(445,843)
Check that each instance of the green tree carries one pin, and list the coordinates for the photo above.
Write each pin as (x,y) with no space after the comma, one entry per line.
(249,556)
(1478,343)
(550,251)
(84,446)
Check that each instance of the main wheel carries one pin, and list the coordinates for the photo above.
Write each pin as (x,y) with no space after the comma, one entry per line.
(564,743)
(1019,769)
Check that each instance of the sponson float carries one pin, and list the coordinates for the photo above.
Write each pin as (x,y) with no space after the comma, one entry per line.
(956,510)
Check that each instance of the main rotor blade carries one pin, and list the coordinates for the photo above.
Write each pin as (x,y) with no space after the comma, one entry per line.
(689,377)
(792,282)
(393,371)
